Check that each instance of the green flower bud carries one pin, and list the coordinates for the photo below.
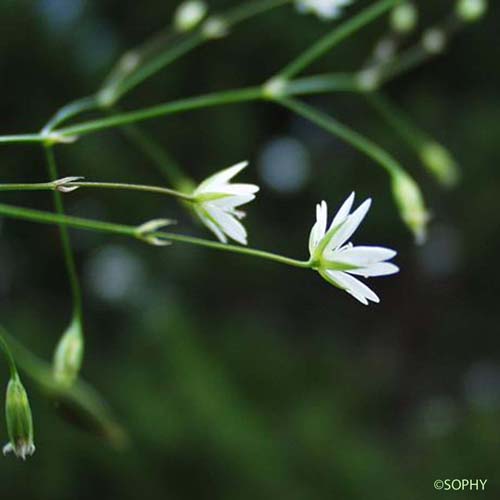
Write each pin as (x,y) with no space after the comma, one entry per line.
(189,14)
(471,10)
(68,355)
(411,205)
(404,17)
(19,420)
(440,163)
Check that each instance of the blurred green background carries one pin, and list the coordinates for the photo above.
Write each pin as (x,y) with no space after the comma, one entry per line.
(236,378)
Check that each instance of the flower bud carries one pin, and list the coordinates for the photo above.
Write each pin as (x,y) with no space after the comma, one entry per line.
(411,205)
(68,355)
(471,10)
(19,420)
(189,14)
(214,28)
(404,18)
(440,163)
(434,40)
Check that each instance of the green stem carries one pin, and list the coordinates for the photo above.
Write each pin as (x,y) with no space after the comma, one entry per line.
(333,82)
(132,231)
(335,37)
(69,111)
(65,240)
(165,164)
(51,186)
(111,95)
(182,105)
(398,121)
(8,356)
(12,139)
(374,151)
(251,9)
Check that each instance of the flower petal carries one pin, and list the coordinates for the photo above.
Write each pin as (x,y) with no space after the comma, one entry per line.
(210,224)
(363,256)
(319,228)
(349,226)
(343,211)
(220,178)
(229,224)
(352,285)
(229,202)
(379,269)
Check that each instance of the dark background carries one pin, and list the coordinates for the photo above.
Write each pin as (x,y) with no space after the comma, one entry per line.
(238,378)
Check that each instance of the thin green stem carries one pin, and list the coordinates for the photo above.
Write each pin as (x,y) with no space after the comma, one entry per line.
(81,398)
(8,356)
(371,149)
(53,186)
(13,139)
(158,155)
(111,95)
(65,240)
(182,105)
(132,231)
(251,9)
(333,82)
(398,121)
(70,110)
(335,37)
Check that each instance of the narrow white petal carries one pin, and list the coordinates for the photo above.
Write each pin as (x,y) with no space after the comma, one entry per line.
(363,256)
(353,285)
(379,269)
(343,211)
(349,227)
(238,189)
(211,225)
(220,178)
(229,224)
(319,228)
(230,202)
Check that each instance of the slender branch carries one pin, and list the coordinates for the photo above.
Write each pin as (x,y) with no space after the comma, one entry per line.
(251,9)
(65,240)
(82,399)
(8,356)
(374,151)
(132,231)
(335,37)
(182,105)
(169,169)
(69,111)
(56,186)
(12,139)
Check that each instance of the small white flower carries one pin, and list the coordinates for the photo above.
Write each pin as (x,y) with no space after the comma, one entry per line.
(337,261)
(216,201)
(325,9)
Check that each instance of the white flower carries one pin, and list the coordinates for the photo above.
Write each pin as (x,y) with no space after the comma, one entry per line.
(325,9)
(337,261)
(216,201)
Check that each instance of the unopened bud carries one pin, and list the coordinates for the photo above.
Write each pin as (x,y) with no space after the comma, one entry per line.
(215,27)
(434,40)
(147,232)
(275,88)
(411,205)
(62,186)
(471,10)
(68,355)
(189,14)
(404,17)
(19,420)
(440,163)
